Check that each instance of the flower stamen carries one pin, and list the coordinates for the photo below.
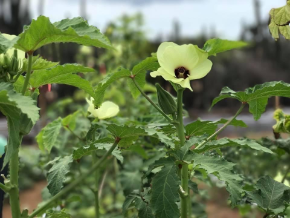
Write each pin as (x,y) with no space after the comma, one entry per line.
(181,72)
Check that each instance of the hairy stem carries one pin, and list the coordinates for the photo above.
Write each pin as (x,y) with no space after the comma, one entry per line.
(151,102)
(76,182)
(184,198)
(180,127)
(28,73)
(14,191)
(222,128)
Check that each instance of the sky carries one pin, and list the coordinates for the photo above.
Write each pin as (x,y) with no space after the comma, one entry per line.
(195,16)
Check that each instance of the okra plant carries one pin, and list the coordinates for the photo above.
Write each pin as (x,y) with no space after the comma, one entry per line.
(183,155)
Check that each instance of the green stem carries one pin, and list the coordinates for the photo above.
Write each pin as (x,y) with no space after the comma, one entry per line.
(180,127)
(76,182)
(185,201)
(28,73)
(222,128)
(185,197)
(96,189)
(14,191)
(151,102)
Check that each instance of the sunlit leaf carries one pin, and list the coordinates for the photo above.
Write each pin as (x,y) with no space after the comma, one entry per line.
(214,46)
(63,74)
(42,32)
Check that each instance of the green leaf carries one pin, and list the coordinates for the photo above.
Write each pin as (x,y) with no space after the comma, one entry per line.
(57,173)
(214,46)
(123,132)
(14,139)
(47,137)
(222,169)
(63,74)
(225,142)
(38,63)
(200,127)
(105,143)
(74,30)
(58,214)
(106,82)
(71,120)
(5,43)
(279,23)
(139,71)
(144,210)
(193,186)
(257,96)
(11,103)
(272,196)
(165,187)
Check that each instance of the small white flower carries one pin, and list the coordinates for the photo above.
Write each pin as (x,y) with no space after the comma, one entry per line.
(182,63)
(108,109)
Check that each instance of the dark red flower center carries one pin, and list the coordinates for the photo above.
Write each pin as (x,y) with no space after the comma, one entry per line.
(181,72)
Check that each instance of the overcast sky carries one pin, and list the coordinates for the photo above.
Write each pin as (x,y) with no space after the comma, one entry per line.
(194,16)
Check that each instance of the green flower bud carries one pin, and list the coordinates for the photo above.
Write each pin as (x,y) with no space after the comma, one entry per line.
(278,115)
(165,100)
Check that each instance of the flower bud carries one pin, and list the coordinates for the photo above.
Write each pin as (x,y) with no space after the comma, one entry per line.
(165,100)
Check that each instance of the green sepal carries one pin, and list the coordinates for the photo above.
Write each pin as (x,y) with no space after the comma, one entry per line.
(165,100)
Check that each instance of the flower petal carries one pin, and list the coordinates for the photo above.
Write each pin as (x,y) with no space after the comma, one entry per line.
(165,75)
(107,110)
(179,56)
(201,70)
(185,84)
(162,47)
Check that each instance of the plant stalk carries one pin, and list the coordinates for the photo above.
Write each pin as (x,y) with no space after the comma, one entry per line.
(14,191)
(28,73)
(76,182)
(180,127)
(184,199)
(150,101)
(222,128)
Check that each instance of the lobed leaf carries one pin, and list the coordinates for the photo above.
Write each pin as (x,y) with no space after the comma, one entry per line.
(222,169)
(56,174)
(123,132)
(63,74)
(225,142)
(165,185)
(47,137)
(214,46)
(279,22)
(257,96)
(200,127)
(106,82)
(270,195)
(12,103)
(139,71)
(42,32)
(105,143)
(38,63)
